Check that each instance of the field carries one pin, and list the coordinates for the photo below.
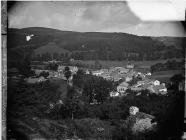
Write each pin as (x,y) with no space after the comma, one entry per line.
(139,64)
(164,76)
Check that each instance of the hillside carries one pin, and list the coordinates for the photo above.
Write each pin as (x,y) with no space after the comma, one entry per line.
(51,47)
(95,45)
(171,41)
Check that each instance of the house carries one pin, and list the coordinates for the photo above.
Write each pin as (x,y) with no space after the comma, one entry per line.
(136,88)
(106,76)
(33,80)
(146,81)
(97,73)
(114,94)
(130,66)
(156,82)
(158,89)
(74,69)
(128,78)
(104,70)
(116,78)
(148,74)
(120,70)
(133,110)
(139,74)
(123,70)
(122,87)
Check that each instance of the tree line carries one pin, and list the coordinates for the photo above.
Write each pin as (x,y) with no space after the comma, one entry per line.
(168,65)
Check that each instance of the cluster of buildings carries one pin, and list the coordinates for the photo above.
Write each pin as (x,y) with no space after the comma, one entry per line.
(124,75)
(51,74)
(153,86)
(115,73)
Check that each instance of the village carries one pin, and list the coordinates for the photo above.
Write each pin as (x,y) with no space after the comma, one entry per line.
(126,77)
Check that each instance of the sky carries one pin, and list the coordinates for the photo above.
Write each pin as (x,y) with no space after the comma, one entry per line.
(139,18)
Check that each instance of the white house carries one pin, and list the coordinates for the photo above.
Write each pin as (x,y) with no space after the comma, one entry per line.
(120,70)
(114,94)
(130,66)
(74,69)
(128,78)
(156,82)
(158,89)
(122,87)
(148,73)
(97,73)
(136,88)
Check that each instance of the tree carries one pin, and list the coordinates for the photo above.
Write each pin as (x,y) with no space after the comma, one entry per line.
(78,78)
(175,80)
(102,89)
(25,68)
(53,66)
(71,102)
(88,89)
(44,74)
(67,72)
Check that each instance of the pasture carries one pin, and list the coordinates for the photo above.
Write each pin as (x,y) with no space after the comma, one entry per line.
(138,64)
(164,76)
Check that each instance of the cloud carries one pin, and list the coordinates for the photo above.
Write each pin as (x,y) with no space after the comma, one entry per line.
(157,29)
(92,16)
(171,10)
(78,16)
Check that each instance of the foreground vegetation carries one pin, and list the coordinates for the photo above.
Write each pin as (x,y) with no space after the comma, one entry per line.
(34,110)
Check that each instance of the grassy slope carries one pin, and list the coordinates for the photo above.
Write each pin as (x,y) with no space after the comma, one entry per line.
(140,64)
(51,48)
(164,76)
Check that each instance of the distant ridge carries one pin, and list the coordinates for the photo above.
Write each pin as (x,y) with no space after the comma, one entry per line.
(105,45)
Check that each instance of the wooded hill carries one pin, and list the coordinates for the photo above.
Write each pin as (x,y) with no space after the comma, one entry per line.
(96,45)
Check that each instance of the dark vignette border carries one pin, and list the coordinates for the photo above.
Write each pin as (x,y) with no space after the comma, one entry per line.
(4,26)
(4,65)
